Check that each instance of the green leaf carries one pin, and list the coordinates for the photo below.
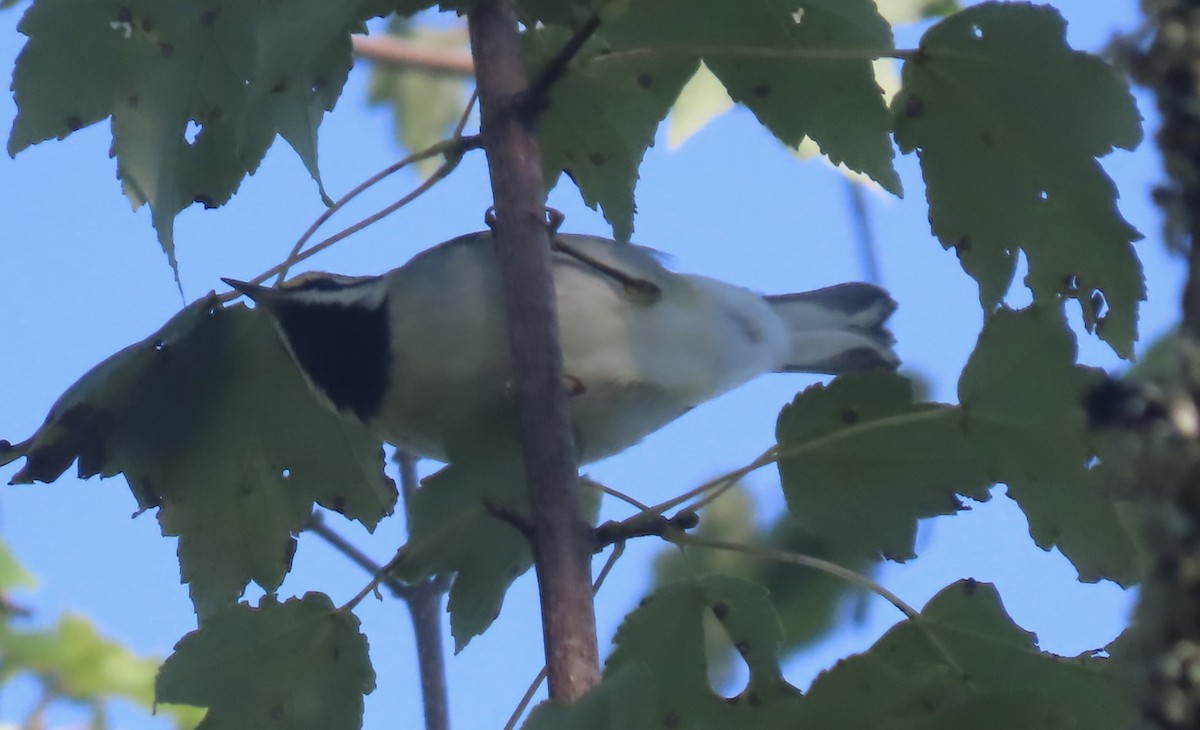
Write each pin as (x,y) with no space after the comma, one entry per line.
(211,422)
(297,665)
(964,652)
(12,573)
(75,662)
(624,700)
(1021,394)
(803,73)
(861,462)
(78,662)
(425,105)
(999,179)
(197,91)
(601,118)
(807,600)
(665,635)
(455,530)
(702,99)
(819,93)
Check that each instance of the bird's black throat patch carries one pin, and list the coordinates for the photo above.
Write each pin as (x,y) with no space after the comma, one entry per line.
(344,349)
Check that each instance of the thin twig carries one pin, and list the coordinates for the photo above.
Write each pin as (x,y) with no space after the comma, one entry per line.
(767,457)
(445,169)
(809,54)
(316,525)
(593,484)
(425,609)
(452,148)
(390,50)
(534,99)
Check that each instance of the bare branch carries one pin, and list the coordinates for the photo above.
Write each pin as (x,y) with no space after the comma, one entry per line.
(403,53)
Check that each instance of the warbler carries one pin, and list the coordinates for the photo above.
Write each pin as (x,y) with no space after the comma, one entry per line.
(420,354)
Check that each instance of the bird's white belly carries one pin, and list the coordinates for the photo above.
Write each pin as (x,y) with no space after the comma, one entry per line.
(632,364)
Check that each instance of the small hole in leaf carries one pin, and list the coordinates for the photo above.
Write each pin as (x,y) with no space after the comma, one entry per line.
(191,132)
(728,672)
(1043,195)
(124,27)
(286,473)
(160,346)
(976,31)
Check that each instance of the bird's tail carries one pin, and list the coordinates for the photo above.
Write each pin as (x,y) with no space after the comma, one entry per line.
(838,329)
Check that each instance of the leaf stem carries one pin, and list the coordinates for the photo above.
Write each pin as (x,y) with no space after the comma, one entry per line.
(708,51)
(784,556)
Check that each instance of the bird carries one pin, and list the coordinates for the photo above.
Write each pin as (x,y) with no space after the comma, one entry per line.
(420,354)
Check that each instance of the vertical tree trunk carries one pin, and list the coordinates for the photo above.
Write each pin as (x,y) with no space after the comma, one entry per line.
(561,536)
(1166,653)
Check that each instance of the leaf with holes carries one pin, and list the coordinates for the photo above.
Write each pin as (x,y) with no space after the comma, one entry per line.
(999,179)
(862,462)
(210,421)
(1021,395)
(297,665)
(807,600)
(666,636)
(963,652)
(196,91)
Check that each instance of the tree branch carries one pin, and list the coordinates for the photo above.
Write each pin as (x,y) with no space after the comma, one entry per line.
(562,537)
(402,53)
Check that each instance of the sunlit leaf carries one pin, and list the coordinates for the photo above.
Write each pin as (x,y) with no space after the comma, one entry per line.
(12,573)
(74,661)
(425,104)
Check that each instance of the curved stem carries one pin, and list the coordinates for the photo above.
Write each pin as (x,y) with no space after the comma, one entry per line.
(783,556)
(811,54)
(446,168)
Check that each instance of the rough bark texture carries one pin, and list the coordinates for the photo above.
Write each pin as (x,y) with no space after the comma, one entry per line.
(561,537)
(1165,651)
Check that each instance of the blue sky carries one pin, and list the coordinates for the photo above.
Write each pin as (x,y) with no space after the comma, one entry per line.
(84,277)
